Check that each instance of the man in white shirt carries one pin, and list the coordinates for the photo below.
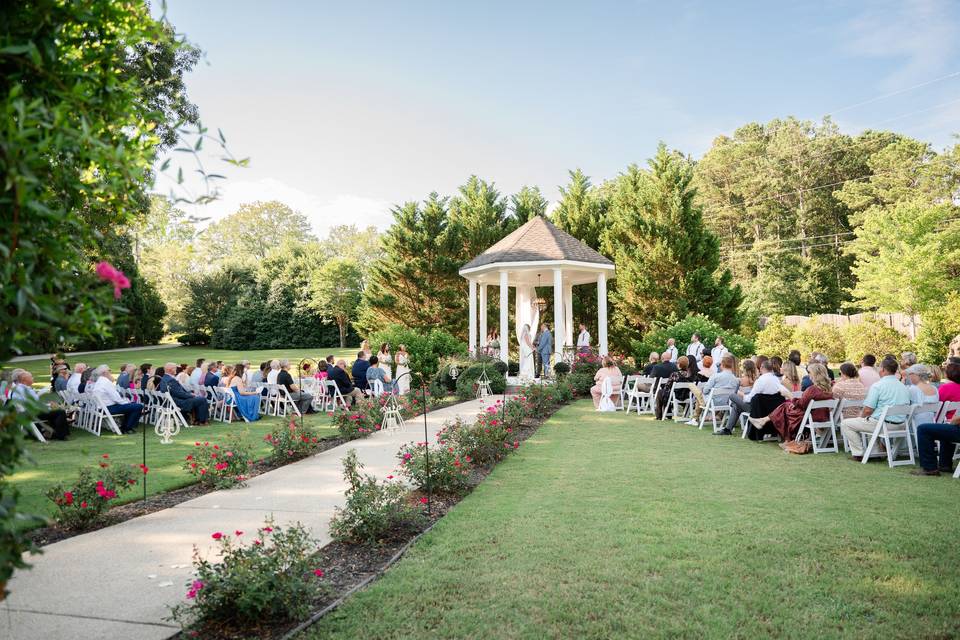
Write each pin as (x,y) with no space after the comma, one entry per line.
(53,422)
(73,384)
(274,372)
(106,389)
(672,350)
(718,352)
(583,340)
(695,348)
(767,384)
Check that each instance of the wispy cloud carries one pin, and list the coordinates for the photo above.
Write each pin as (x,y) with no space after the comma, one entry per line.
(922,33)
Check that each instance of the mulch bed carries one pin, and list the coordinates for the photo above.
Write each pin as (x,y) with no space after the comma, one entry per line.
(348,567)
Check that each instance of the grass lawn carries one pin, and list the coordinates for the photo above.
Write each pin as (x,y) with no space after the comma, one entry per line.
(614,526)
(56,461)
(41,366)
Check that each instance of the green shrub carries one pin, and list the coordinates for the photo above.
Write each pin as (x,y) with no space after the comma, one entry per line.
(681,331)
(81,504)
(873,337)
(273,579)
(485,441)
(813,335)
(939,326)
(444,375)
(561,369)
(776,338)
(467,381)
(501,366)
(374,510)
(580,382)
(292,441)
(426,349)
(220,466)
(447,470)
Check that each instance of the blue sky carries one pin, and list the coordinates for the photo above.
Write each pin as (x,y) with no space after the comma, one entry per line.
(346,108)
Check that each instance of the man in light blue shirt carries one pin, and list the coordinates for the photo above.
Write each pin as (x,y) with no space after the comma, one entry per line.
(724,383)
(886,392)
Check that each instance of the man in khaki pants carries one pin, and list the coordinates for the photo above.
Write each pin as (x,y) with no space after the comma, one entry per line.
(886,392)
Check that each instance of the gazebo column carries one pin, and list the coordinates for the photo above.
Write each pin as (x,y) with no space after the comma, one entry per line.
(504,329)
(602,313)
(483,315)
(568,314)
(473,317)
(558,315)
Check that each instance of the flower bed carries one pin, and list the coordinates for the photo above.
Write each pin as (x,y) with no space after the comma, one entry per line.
(81,504)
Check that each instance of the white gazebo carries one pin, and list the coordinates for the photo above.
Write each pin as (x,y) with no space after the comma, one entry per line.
(536,254)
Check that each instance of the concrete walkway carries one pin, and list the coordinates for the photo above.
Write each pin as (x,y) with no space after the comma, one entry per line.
(47,356)
(118,582)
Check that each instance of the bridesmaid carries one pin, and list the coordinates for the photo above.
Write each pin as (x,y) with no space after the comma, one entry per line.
(385,360)
(403,368)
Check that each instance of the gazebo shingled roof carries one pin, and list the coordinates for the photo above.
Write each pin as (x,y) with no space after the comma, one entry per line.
(538,240)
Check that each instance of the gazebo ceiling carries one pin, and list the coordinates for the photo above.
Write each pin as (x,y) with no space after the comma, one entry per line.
(538,247)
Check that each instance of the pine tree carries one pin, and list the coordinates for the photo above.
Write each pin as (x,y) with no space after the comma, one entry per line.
(481,213)
(528,203)
(582,210)
(415,283)
(667,261)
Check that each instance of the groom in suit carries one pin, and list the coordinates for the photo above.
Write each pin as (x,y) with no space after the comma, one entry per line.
(545,348)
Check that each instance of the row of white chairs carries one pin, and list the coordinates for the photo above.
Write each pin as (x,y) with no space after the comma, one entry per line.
(899,437)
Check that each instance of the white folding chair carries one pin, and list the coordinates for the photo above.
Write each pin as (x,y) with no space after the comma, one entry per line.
(637,397)
(375,389)
(929,408)
(716,402)
(838,416)
(892,434)
(947,407)
(681,410)
(334,397)
(827,443)
(286,400)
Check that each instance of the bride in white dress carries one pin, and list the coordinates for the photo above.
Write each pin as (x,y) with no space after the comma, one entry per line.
(403,367)
(526,354)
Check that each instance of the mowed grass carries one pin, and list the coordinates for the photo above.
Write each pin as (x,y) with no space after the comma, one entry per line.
(41,367)
(56,461)
(614,526)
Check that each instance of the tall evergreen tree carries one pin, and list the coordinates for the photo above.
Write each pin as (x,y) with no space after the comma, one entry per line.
(667,261)
(481,213)
(582,210)
(415,282)
(528,203)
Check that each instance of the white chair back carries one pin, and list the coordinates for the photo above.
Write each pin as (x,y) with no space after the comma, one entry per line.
(376,388)
(681,409)
(893,434)
(823,435)
(606,396)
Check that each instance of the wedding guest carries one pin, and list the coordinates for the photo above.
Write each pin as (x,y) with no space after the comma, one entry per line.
(53,421)
(105,388)
(849,387)
(194,408)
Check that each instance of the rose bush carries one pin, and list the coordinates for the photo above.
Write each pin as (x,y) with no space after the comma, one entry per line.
(446,471)
(220,466)
(81,504)
(274,578)
(292,441)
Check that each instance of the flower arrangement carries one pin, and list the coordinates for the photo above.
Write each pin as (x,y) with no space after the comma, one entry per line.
(220,466)
(274,578)
(292,441)
(81,504)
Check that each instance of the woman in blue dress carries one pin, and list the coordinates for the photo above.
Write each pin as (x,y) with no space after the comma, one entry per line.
(247,402)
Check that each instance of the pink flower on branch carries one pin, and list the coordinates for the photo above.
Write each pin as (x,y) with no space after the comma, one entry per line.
(109,273)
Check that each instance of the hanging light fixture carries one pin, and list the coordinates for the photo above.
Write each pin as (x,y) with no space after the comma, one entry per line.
(540,301)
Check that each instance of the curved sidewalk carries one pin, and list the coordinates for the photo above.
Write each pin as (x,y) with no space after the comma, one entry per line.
(118,582)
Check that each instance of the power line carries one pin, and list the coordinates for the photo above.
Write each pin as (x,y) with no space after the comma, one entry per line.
(893,93)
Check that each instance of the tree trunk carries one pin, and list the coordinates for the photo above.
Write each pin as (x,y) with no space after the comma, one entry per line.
(342,325)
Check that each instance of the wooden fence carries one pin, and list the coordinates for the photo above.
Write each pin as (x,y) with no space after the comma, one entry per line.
(905,324)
